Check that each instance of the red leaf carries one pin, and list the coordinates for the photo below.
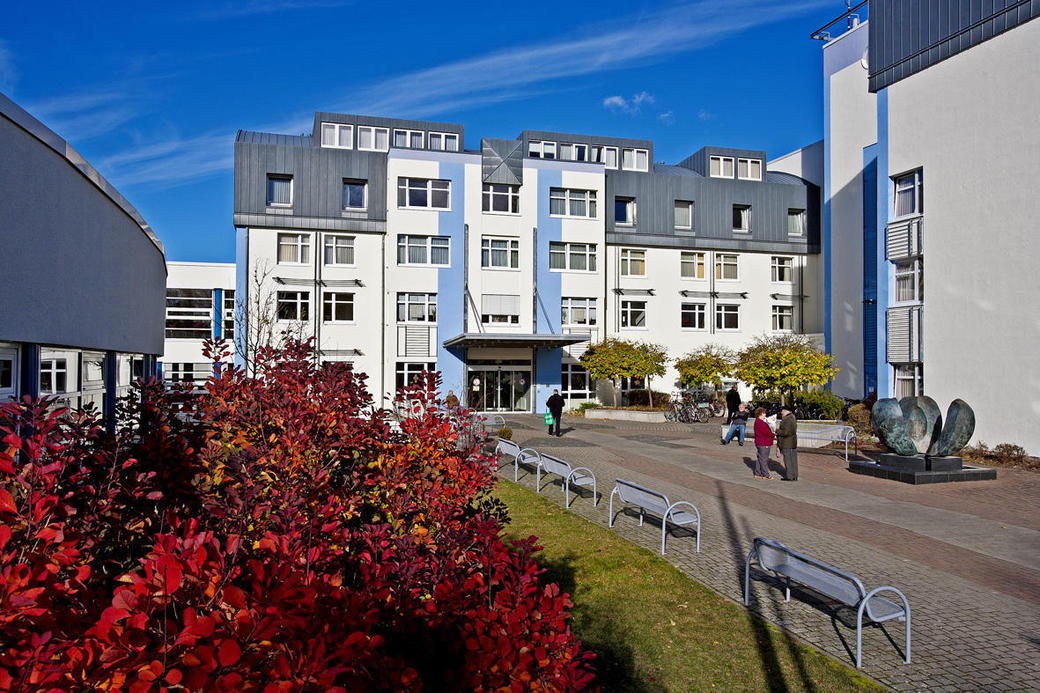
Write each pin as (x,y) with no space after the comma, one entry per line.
(170,568)
(7,502)
(229,653)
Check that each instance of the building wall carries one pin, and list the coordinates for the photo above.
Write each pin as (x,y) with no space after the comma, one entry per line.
(211,276)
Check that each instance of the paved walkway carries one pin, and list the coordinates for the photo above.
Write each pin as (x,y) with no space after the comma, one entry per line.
(967,555)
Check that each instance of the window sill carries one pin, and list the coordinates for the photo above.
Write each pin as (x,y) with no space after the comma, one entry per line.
(366,149)
(423,209)
(693,279)
(501,214)
(354,211)
(337,265)
(572,216)
(729,281)
(635,329)
(694,329)
(293,264)
(742,232)
(278,210)
(573,271)
(420,265)
(500,269)
(339,322)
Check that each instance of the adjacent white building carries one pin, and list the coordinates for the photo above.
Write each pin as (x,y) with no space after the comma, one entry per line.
(200,305)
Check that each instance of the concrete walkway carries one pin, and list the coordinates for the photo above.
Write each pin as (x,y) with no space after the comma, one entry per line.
(967,555)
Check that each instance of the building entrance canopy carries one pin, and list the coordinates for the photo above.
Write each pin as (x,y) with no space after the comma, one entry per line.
(536,341)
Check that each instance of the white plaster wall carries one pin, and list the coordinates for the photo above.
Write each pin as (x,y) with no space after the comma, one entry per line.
(971,123)
(806,163)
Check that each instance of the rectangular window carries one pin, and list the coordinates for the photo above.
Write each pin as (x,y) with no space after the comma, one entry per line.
(408,373)
(339,250)
(749,169)
(189,313)
(633,262)
(683,214)
(577,312)
(53,376)
(229,314)
(610,157)
(574,152)
(504,199)
(500,309)
(424,250)
(575,382)
(633,313)
(783,318)
(337,307)
(909,380)
(540,149)
(781,269)
(279,190)
(625,211)
(294,305)
(742,218)
(691,265)
(6,373)
(373,139)
(337,135)
(726,266)
(727,317)
(576,257)
(796,222)
(355,195)
(635,160)
(909,194)
(500,252)
(416,307)
(693,316)
(565,202)
(423,193)
(910,282)
(444,141)
(409,139)
(294,248)
(720,166)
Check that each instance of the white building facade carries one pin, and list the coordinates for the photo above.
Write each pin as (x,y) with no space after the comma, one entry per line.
(200,305)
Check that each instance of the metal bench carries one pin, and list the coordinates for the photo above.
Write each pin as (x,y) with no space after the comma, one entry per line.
(579,476)
(829,432)
(520,456)
(658,503)
(828,581)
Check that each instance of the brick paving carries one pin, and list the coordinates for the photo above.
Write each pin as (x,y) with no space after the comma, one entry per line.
(967,555)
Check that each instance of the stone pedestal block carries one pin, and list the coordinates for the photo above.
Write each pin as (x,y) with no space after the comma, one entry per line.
(944,464)
(906,463)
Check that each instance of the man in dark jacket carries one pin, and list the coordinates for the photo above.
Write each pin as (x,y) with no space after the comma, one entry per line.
(787,443)
(732,403)
(555,406)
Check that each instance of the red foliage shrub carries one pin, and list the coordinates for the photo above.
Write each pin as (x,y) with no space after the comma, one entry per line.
(276,534)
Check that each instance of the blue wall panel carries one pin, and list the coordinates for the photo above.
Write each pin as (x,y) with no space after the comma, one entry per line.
(241,289)
(870,268)
(451,281)
(547,307)
(885,270)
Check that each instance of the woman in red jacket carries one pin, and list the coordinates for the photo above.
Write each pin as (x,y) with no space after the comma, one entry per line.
(764,437)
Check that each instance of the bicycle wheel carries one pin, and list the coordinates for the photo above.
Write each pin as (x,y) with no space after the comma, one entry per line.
(669,415)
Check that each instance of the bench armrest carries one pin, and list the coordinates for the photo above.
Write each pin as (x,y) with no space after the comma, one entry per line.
(567,480)
(859,621)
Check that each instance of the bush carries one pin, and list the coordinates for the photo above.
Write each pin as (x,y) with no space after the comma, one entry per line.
(641,398)
(829,406)
(505,433)
(274,533)
(1003,455)
(859,419)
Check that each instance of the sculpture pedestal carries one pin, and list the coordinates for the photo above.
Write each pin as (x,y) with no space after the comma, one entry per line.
(918,469)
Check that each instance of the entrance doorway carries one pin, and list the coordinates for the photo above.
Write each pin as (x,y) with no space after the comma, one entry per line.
(499,388)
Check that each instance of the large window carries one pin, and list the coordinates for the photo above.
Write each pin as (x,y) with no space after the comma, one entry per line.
(783,318)
(575,382)
(189,313)
(720,166)
(796,222)
(409,139)
(339,250)
(749,169)
(423,193)
(416,307)
(604,155)
(444,141)
(337,307)
(693,316)
(294,248)
(726,266)
(909,380)
(742,218)
(229,314)
(574,152)
(909,194)
(691,265)
(279,190)
(564,202)
(635,160)
(625,211)
(408,373)
(633,262)
(424,250)
(633,313)
(577,257)
(540,149)
(910,282)
(500,309)
(727,317)
(294,305)
(53,376)
(683,214)
(501,198)
(337,135)
(372,139)
(781,269)
(355,195)
(578,312)
(499,252)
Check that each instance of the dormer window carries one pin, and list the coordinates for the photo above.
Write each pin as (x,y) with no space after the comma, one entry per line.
(337,135)
(372,139)
(635,159)
(749,169)
(574,152)
(720,166)
(444,141)
(541,149)
(409,139)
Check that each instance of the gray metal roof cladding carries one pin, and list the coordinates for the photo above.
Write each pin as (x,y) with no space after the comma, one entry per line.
(673,170)
(251,137)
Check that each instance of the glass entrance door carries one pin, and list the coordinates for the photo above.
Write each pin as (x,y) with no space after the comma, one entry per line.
(499,389)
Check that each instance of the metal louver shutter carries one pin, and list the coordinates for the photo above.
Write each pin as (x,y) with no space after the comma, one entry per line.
(417,340)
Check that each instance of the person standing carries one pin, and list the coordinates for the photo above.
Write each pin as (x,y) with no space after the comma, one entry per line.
(555,406)
(737,426)
(764,437)
(787,443)
(732,403)
(451,401)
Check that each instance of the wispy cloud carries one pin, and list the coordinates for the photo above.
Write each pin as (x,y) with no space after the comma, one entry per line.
(705,115)
(8,73)
(632,106)
(228,10)
(173,161)
(667,117)
(88,114)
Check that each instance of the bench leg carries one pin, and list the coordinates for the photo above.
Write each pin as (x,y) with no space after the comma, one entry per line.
(641,513)
(664,532)
(516,470)
(566,494)
(787,590)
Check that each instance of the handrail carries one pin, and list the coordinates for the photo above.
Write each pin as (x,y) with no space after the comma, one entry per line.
(822,34)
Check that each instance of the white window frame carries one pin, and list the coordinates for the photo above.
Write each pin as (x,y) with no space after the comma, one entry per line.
(723,162)
(407,371)
(750,163)
(540,149)
(698,260)
(408,138)
(292,190)
(914,271)
(779,312)
(574,151)
(628,257)
(56,367)
(569,305)
(629,310)
(512,251)
(364,195)
(444,137)
(428,302)
(907,372)
(571,370)
(916,183)
(571,196)
(407,184)
(779,265)
(572,249)
(301,302)
(745,216)
(302,243)
(489,318)
(337,128)
(635,159)
(800,215)
(330,298)
(489,194)
(613,154)
(10,355)
(699,311)
(688,204)
(375,140)
(405,242)
(721,311)
(330,244)
(630,210)
(721,262)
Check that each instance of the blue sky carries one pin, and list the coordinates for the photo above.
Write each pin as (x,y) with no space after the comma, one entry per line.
(153,97)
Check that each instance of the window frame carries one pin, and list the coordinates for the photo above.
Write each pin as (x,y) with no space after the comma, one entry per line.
(325,304)
(914,270)
(428,301)
(575,147)
(745,211)
(575,370)
(302,303)
(488,196)
(487,253)
(802,220)
(698,310)
(303,248)
(778,312)
(721,313)
(571,248)
(58,367)
(626,260)
(916,377)
(405,185)
(723,160)
(325,246)
(444,136)
(406,372)
(408,133)
(569,304)
(337,127)
(375,140)
(364,195)
(404,243)
(917,185)
(749,161)
(196,305)
(542,146)
(721,264)
(778,266)
(569,197)
(283,177)
(635,159)
(699,260)
(689,211)
(631,210)
(628,311)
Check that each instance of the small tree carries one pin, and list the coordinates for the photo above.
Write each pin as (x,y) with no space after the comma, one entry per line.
(707,364)
(650,360)
(611,359)
(783,363)
(256,318)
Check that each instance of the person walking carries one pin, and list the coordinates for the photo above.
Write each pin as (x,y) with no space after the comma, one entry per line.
(736,426)
(764,437)
(787,443)
(555,406)
(732,403)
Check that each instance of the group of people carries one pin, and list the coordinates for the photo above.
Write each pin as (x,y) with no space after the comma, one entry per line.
(785,436)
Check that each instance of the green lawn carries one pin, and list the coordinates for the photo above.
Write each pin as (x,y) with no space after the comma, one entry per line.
(655,629)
